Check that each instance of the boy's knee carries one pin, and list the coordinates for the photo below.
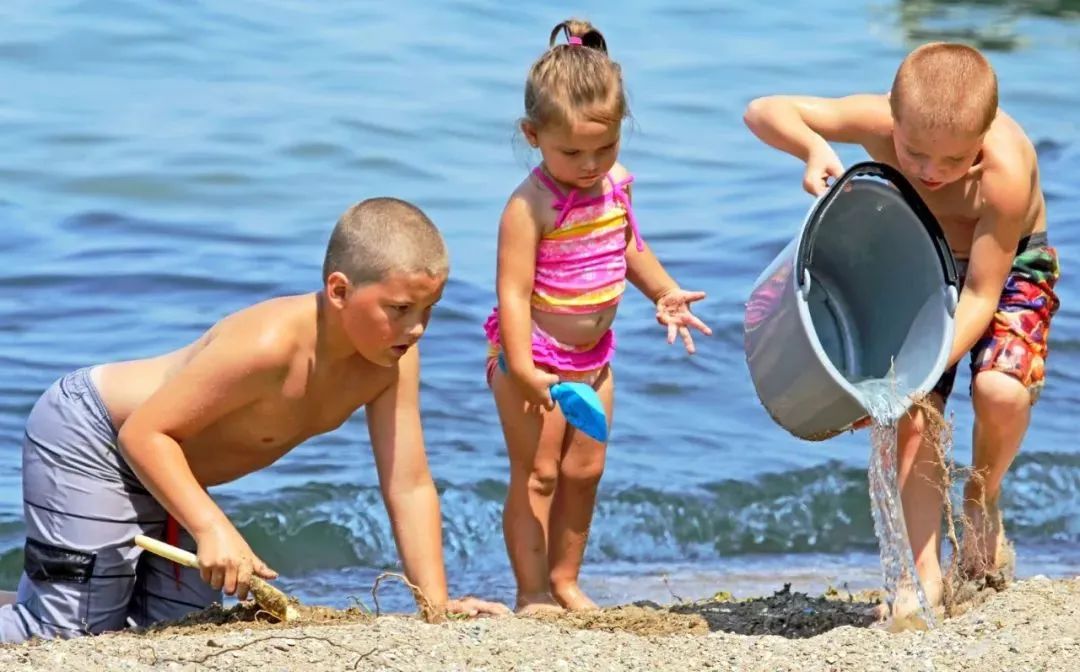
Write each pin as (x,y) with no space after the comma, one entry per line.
(165,592)
(999,398)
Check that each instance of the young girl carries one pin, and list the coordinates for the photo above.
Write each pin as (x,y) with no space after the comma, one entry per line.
(568,241)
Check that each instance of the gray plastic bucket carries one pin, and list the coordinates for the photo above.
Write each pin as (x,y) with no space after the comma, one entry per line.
(868,285)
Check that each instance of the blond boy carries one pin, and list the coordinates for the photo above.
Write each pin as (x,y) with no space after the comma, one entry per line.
(977,171)
(124,448)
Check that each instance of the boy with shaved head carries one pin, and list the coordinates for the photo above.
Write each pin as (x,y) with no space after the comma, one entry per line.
(940,125)
(130,447)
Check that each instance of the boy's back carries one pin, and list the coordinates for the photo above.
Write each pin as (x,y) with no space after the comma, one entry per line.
(300,390)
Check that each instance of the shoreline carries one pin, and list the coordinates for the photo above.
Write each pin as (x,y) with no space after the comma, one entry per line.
(1032,625)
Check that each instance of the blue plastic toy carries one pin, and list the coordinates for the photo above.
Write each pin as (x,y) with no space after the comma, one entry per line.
(580,404)
(582,407)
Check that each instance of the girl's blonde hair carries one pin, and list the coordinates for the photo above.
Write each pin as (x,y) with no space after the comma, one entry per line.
(575,80)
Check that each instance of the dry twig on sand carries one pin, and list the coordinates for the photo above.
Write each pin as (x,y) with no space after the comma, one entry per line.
(427,610)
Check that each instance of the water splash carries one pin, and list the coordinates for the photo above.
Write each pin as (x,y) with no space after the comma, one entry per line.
(886,404)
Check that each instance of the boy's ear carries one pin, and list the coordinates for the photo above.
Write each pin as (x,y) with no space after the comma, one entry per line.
(337,289)
(528,129)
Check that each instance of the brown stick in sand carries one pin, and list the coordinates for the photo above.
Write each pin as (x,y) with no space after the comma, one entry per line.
(428,612)
(275,602)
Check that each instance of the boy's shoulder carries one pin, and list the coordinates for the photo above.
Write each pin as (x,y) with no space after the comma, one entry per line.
(269,333)
(276,341)
(1009,172)
(1007,145)
(278,322)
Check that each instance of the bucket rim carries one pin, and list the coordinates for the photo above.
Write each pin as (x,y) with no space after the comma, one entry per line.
(807,233)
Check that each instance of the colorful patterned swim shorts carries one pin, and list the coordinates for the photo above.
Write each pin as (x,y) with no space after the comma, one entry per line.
(1015,343)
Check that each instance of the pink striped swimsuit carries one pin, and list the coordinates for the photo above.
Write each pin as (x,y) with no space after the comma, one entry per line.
(580,269)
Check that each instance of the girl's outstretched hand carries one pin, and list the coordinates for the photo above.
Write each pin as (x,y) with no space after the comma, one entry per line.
(673,311)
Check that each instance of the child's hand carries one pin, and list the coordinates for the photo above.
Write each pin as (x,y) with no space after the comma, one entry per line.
(673,311)
(535,385)
(821,164)
(226,561)
(471,606)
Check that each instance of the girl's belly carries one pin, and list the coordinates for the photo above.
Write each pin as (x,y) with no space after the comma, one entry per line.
(575,329)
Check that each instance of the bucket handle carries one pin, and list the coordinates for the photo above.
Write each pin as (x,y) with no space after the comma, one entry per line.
(911,197)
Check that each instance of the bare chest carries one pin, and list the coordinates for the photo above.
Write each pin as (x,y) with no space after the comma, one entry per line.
(260,433)
(284,422)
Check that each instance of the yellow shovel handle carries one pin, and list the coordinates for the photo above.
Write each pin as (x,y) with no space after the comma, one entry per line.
(167,551)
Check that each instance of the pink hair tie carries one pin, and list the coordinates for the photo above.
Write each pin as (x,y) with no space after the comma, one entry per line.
(574,40)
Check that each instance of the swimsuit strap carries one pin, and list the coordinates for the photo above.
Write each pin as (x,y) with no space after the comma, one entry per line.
(564,203)
(618,192)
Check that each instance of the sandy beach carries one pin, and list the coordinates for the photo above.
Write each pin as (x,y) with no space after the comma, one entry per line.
(1033,625)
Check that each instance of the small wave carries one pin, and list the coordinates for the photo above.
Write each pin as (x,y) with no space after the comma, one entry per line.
(823,509)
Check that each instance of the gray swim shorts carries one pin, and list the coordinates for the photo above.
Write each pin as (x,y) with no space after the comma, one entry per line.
(83,507)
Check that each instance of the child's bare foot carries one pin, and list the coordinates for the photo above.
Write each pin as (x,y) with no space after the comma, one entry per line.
(905,612)
(536,604)
(571,596)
